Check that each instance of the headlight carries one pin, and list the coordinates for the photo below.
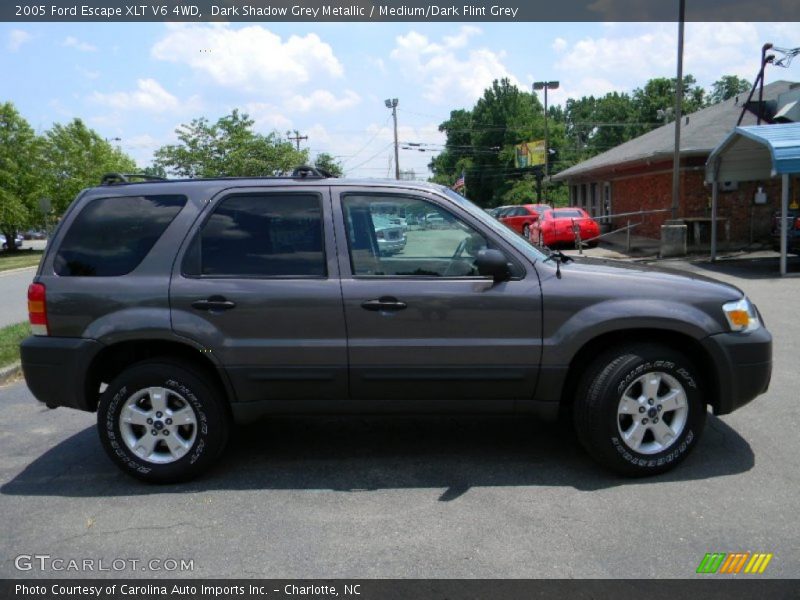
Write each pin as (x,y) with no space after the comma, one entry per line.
(741,315)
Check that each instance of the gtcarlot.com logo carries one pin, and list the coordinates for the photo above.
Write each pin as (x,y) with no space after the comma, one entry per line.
(46,562)
(723,563)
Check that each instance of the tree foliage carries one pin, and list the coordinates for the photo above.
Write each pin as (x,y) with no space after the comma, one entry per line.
(77,157)
(328,163)
(20,163)
(726,87)
(228,148)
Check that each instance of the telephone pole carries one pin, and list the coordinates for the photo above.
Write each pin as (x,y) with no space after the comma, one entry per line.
(297,137)
(393,105)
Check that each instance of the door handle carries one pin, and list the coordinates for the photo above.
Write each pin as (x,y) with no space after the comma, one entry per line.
(214,304)
(384,303)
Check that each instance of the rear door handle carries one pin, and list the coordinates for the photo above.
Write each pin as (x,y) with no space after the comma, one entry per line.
(384,303)
(214,304)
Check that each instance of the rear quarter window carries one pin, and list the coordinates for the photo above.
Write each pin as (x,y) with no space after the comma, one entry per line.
(111,236)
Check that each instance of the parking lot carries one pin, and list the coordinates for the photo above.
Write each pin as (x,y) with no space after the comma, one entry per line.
(438,497)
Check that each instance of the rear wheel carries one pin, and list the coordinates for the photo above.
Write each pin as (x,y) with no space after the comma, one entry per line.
(639,409)
(162,421)
(526,231)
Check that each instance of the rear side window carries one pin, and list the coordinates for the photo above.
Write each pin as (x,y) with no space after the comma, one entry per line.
(263,235)
(111,236)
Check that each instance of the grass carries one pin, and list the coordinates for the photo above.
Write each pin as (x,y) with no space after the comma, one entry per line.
(10,337)
(19,259)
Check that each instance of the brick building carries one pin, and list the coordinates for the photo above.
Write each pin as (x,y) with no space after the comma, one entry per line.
(637,175)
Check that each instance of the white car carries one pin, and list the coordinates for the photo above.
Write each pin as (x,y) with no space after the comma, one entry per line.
(4,243)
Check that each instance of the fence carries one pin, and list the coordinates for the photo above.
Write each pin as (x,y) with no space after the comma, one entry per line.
(576,230)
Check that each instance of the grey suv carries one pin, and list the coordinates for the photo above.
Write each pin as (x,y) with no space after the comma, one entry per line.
(177,308)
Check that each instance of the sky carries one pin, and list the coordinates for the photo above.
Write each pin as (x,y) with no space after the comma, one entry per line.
(139,81)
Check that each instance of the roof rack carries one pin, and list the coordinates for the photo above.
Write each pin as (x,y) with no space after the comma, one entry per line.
(304,171)
(113,178)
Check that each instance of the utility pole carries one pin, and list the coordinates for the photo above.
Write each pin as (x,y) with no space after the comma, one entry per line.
(676,160)
(392,103)
(297,137)
(545,85)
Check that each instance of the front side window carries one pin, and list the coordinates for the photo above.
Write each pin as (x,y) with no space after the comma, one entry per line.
(262,235)
(427,242)
(111,236)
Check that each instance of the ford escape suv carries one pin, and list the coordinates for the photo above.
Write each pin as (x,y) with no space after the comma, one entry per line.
(175,309)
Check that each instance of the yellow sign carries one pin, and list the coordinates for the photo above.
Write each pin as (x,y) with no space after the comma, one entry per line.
(529,154)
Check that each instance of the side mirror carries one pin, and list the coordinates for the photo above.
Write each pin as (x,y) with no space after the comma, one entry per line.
(492,263)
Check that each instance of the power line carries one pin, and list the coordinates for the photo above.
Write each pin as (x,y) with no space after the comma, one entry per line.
(372,139)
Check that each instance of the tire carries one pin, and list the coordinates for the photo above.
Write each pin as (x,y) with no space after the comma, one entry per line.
(526,232)
(128,416)
(609,428)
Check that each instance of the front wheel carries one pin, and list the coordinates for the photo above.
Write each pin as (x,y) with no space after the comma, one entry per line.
(162,421)
(640,409)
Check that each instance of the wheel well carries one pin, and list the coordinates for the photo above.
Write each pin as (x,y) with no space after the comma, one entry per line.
(677,341)
(112,360)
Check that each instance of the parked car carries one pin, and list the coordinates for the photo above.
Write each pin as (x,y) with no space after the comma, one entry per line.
(219,301)
(4,242)
(520,218)
(555,227)
(390,233)
(34,234)
(792,230)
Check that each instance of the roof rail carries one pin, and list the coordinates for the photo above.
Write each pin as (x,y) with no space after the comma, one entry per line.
(113,178)
(304,171)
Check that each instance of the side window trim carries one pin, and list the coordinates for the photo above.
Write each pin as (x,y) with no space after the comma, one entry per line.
(341,194)
(194,238)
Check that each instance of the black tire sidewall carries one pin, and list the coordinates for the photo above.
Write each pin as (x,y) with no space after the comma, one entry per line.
(600,433)
(211,421)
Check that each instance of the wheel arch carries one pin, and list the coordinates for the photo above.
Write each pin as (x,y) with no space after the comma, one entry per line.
(675,340)
(114,358)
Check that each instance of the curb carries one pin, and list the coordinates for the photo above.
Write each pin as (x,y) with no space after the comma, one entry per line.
(10,372)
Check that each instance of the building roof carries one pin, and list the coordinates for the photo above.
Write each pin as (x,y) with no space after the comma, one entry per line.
(756,152)
(701,132)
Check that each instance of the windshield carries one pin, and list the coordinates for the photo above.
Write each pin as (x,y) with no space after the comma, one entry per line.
(566,214)
(519,243)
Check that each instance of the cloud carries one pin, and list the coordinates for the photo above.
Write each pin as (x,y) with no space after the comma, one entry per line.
(445,74)
(267,117)
(249,57)
(559,44)
(71,42)
(16,38)
(148,96)
(323,100)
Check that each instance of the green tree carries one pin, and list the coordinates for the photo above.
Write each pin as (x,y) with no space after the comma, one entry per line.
(659,95)
(726,87)
(228,148)
(328,163)
(481,142)
(77,157)
(20,181)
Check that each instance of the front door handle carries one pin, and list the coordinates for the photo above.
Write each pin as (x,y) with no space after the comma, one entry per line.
(384,303)
(214,304)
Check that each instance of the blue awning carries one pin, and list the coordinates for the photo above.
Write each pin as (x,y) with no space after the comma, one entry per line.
(744,149)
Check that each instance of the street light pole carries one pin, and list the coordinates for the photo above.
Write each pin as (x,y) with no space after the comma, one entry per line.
(392,103)
(676,159)
(545,85)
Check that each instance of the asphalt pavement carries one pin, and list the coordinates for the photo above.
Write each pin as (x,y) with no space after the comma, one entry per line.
(439,497)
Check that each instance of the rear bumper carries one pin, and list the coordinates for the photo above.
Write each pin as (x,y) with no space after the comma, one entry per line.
(55,369)
(743,364)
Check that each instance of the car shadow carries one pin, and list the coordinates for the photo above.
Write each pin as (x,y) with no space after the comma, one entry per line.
(378,453)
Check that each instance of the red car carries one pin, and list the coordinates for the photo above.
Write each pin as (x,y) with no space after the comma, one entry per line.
(555,227)
(520,218)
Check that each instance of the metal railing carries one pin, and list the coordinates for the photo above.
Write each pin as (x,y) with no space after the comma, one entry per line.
(576,230)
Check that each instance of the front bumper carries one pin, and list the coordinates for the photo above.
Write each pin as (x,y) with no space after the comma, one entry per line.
(743,364)
(55,369)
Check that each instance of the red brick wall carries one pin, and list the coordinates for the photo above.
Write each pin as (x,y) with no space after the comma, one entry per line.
(654,191)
